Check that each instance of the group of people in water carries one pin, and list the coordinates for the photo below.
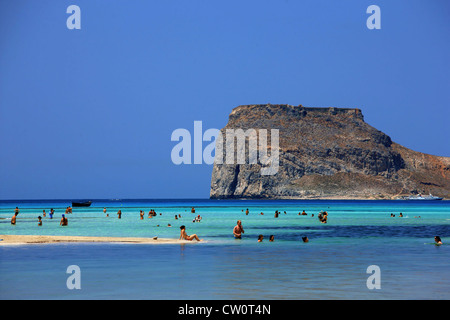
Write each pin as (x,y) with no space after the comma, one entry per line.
(238,230)
(64,221)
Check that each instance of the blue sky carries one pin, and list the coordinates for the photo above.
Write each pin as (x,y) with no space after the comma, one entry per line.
(89,113)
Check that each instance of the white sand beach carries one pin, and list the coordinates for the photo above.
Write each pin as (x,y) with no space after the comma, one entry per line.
(30,239)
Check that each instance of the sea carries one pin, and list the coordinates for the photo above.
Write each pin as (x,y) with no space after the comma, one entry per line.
(361,253)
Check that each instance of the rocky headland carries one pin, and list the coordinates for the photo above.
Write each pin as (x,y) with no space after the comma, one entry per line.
(327,153)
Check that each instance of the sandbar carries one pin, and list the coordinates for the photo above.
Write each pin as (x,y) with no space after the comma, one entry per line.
(31,239)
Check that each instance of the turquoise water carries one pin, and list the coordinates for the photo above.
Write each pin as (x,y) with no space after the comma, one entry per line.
(331,266)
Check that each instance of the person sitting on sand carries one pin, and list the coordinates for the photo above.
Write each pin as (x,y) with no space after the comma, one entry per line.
(184,236)
(64,221)
(437,240)
(39,221)
(238,230)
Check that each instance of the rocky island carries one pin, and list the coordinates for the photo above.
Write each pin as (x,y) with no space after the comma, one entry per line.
(327,153)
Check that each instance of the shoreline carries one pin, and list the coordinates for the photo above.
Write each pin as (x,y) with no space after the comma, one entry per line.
(38,239)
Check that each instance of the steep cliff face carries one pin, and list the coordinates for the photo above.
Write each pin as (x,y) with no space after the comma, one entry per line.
(327,153)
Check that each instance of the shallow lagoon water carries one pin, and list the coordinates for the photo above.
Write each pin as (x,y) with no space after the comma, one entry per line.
(331,266)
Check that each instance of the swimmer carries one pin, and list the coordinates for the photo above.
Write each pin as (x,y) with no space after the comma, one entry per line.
(119,214)
(39,221)
(271,238)
(184,236)
(305,239)
(260,238)
(437,240)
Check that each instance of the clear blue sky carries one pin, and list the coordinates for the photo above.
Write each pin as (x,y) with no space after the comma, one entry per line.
(89,113)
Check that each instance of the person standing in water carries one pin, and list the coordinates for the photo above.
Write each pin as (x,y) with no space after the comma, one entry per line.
(64,221)
(13,219)
(119,214)
(238,230)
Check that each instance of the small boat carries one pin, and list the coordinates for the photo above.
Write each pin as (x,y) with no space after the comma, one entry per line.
(81,204)
(420,197)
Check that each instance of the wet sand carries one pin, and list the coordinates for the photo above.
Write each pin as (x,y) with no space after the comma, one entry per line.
(30,239)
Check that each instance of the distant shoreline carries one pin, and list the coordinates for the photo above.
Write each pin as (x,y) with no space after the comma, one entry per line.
(39,239)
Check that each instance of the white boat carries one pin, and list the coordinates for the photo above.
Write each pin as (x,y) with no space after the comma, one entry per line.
(420,197)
